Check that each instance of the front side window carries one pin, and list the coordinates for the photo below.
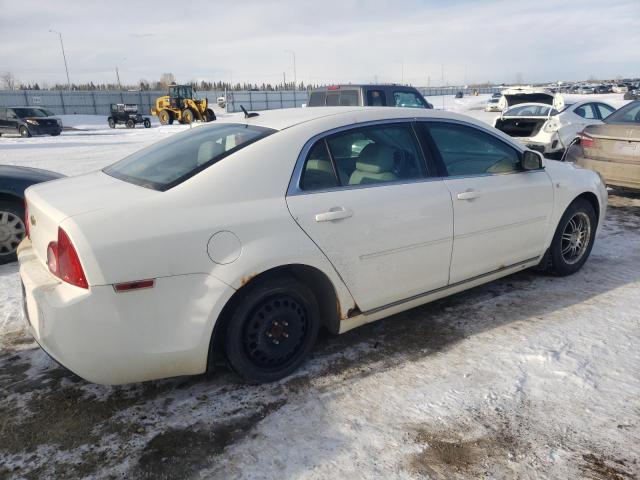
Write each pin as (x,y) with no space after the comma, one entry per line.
(605,110)
(171,161)
(407,99)
(469,151)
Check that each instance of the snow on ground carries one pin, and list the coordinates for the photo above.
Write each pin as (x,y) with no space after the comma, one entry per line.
(531,376)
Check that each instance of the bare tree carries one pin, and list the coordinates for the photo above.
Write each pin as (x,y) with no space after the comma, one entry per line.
(8,81)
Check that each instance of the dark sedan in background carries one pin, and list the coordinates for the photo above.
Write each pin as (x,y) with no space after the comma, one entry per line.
(612,148)
(28,121)
(13,182)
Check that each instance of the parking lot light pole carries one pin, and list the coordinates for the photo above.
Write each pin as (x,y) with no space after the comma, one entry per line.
(118,73)
(64,57)
(295,77)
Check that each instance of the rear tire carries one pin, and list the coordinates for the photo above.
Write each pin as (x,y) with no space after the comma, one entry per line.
(24,132)
(12,230)
(165,117)
(112,123)
(209,116)
(573,239)
(272,329)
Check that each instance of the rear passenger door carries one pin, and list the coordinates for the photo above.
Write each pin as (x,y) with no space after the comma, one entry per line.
(365,197)
(501,212)
(3,120)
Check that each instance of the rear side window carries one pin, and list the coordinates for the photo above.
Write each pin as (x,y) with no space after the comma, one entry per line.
(376,98)
(172,161)
(3,113)
(318,172)
(407,99)
(586,111)
(470,151)
(349,98)
(316,99)
(630,113)
(333,98)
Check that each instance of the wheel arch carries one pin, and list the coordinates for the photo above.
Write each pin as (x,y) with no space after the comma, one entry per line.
(592,198)
(314,278)
(11,197)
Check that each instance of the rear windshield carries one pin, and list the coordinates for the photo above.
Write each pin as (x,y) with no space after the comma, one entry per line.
(174,160)
(530,111)
(630,113)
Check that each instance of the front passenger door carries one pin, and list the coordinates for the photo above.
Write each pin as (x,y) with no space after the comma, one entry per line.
(501,212)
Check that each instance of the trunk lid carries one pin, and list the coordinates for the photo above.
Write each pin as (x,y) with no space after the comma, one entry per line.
(517,96)
(52,202)
(614,142)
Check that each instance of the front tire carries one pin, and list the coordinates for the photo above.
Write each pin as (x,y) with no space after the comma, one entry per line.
(165,117)
(24,132)
(131,124)
(573,240)
(272,329)
(187,116)
(147,123)
(12,230)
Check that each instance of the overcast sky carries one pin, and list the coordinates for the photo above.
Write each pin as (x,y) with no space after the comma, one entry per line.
(334,41)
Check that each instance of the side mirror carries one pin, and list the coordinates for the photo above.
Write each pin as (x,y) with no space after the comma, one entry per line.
(532,160)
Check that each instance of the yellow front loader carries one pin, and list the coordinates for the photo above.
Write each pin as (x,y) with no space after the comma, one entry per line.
(181,105)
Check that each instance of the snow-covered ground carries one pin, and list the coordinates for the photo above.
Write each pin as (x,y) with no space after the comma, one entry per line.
(531,376)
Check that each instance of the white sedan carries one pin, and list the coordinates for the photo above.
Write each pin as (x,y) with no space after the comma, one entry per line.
(550,129)
(242,239)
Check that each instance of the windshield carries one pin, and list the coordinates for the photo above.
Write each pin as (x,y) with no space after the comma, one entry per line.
(28,112)
(630,113)
(174,160)
(530,111)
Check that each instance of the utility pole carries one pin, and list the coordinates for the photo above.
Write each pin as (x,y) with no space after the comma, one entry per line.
(63,57)
(284,81)
(402,73)
(442,70)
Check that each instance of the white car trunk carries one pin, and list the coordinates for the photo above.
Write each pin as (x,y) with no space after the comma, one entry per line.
(51,203)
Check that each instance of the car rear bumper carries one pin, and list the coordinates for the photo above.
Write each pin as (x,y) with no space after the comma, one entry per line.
(615,173)
(114,338)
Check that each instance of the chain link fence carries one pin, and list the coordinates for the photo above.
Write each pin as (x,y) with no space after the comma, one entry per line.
(65,102)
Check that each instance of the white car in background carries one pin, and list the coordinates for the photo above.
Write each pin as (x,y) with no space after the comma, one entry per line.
(492,105)
(620,89)
(241,239)
(551,127)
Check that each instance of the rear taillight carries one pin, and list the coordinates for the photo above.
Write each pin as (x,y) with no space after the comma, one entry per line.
(26,219)
(587,141)
(63,261)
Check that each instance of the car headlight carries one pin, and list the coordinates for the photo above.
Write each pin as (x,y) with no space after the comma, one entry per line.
(59,122)
(550,126)
(32,122)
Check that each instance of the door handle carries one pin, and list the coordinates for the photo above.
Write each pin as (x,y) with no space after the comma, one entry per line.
(335,213)
(468,195)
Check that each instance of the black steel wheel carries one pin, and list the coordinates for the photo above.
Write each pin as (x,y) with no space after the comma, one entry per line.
(573,239)
(272,330)
(12,230)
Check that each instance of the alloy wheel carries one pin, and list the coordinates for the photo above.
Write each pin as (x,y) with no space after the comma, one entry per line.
(575,238)
(12,231)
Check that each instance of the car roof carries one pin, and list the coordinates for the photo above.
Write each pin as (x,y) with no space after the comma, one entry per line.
(288,117)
